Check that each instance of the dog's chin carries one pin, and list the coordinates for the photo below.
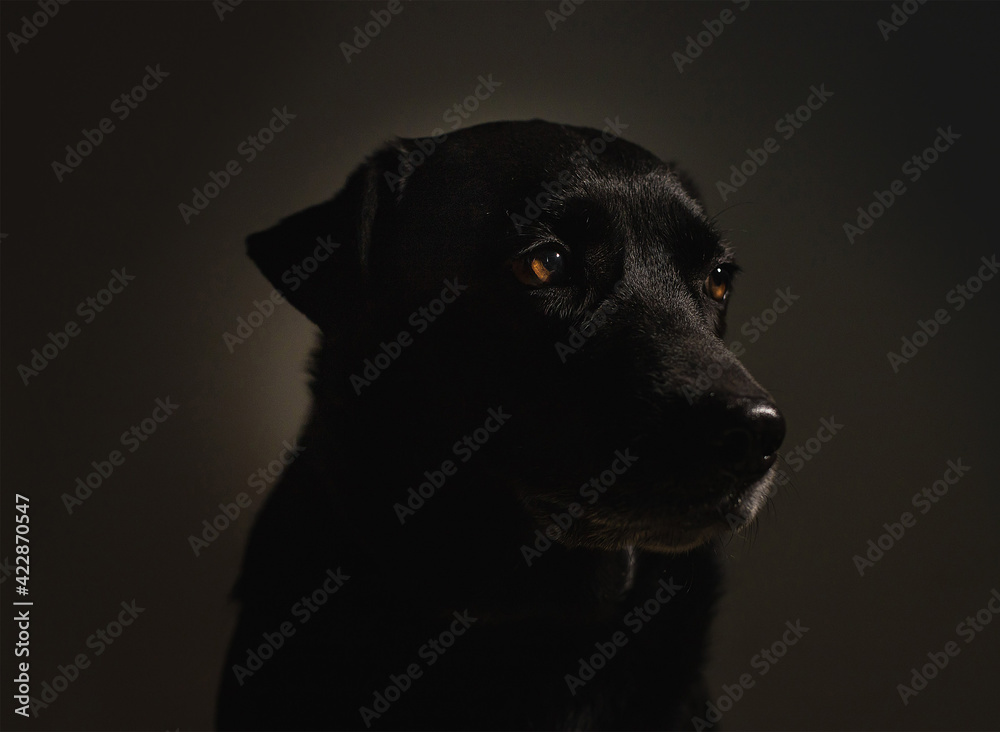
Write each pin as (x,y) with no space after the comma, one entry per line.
(670,532)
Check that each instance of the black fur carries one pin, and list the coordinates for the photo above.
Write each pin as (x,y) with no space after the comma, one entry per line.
(637,247)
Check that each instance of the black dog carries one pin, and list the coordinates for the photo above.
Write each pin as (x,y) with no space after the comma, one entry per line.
(526,431)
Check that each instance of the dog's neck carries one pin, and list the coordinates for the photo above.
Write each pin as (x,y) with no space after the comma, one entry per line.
(444,551)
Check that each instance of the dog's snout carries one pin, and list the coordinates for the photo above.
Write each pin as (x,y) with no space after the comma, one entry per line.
(750,435)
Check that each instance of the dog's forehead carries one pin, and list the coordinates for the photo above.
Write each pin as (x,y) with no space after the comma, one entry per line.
(495,184)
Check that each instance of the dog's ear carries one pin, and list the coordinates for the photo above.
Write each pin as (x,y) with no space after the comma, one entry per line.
(318,258)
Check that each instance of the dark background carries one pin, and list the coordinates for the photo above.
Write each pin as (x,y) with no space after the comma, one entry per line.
(825,357)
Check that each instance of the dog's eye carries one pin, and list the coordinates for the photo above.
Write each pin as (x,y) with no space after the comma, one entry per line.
(718,284)
(540,267)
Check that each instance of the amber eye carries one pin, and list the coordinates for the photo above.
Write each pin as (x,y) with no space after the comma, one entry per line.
(540,267)
(718,284)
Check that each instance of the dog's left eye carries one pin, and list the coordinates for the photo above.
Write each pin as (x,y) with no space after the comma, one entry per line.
(718,284)
(541,267)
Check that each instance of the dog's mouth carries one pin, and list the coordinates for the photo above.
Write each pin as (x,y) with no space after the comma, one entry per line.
(654,517)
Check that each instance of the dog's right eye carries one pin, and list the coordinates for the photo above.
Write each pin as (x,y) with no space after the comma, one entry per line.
(718,284)
(540,267)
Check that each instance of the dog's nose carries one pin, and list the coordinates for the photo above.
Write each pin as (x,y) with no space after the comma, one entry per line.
(750,437)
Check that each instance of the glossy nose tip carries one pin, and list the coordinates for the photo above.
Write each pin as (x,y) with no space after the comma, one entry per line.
(770,426)
(749,442)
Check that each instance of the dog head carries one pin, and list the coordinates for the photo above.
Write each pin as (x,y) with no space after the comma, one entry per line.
(563,275)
